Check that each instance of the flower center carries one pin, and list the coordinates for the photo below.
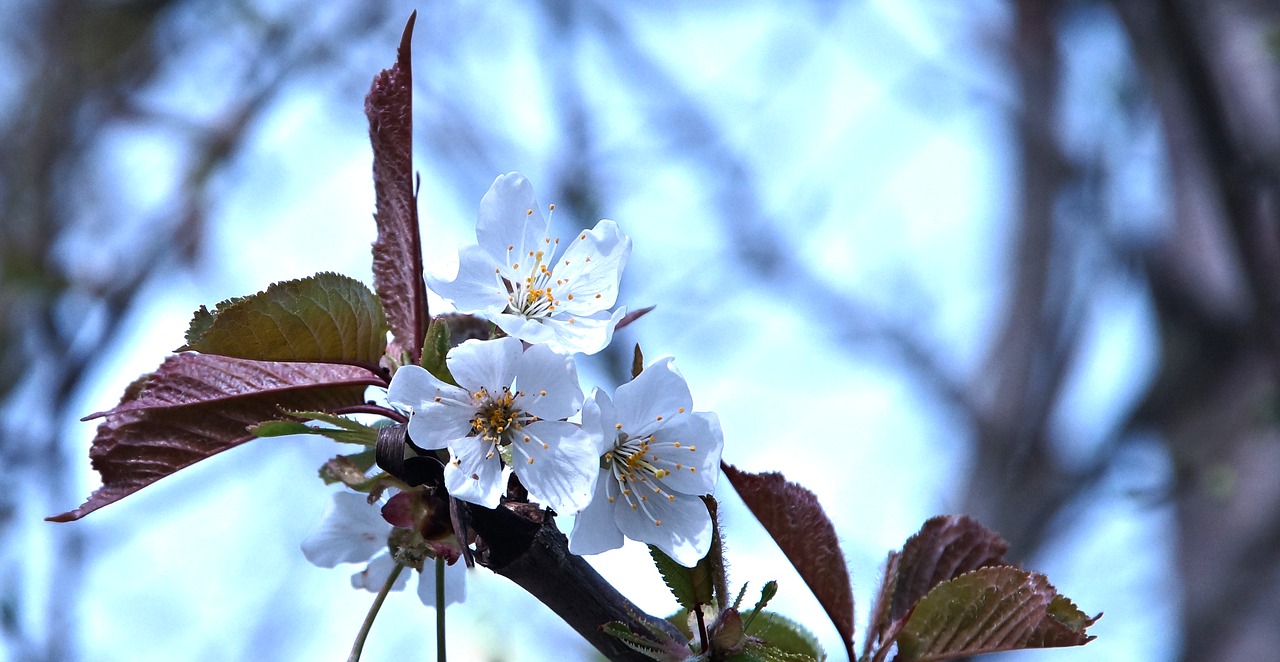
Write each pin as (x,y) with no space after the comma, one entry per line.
(496,415)
(633,464)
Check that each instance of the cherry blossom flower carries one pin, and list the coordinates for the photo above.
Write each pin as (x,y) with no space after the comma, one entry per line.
(514,277)
(509,401)
(353,531)
(656,458)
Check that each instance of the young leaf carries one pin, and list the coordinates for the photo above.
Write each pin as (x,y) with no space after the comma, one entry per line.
(691,587)
(326,318)
(794,519)
(397,253)
(779,634)
(993,609)
(197,406)
(944,548)
(435,349)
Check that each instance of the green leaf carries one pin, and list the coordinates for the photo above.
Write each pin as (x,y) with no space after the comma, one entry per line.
(993,609)
(705,582)
(436,349)
(785,635)
(691,587)
(326,318)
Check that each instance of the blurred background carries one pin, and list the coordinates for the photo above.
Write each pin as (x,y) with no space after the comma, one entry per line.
(1016,259)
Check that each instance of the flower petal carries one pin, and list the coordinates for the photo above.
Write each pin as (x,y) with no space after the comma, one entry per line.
(350,531)
(477,288)
(375,575)
(548,381)
(432,424)
(557,462)
(586,334)
(595,529)
(455,583)
(488,364)
(510,217)
(658,394)
(689,446)
(680,527)
(599,419)
(532,331)
(591,268)
(475,472)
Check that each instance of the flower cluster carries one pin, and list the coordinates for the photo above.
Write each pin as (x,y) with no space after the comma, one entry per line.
(634,465)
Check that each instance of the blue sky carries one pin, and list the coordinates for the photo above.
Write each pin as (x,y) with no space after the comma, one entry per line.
(873,143)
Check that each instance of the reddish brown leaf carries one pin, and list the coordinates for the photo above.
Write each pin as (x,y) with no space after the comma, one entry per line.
(944,548)
(192,408)
(397,253)
(792,516)
(190,378)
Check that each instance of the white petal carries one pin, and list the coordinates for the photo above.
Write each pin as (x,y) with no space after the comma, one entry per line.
(350,531)
(694,465)
(488,364)
(532,331)
(455,583)
(439,425)
(586,334)
(544,370)
(476,288)
(475,472)
(557,462)
(684,533)
(595,529)
(433,424)
(412,387)
(375,575)
(659,391)
(505,220)
(592,267)
(599,419)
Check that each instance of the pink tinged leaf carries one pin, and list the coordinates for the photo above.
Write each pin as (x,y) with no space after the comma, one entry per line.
(792,516)
(944,548)
(989,610)
(397,252)
(196,406)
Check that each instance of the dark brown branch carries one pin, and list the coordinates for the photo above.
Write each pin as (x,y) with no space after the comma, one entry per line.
(536,557)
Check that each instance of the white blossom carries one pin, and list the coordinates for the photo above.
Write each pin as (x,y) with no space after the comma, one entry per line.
(656,458)
(514,277)
(353,531)
(507,400)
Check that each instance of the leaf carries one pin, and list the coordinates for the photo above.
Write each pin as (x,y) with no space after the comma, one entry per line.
(703,584)
(784,639)
(435,350)
(792,516)
(993,609)
(189,379)
(196,406)
(691,587)
(327,318)
(397,252)
(944,548)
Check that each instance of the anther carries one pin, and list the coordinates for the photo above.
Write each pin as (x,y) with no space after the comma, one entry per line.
(681,410)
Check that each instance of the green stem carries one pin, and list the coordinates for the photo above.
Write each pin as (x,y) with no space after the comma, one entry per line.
(358,646)
(440,655)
